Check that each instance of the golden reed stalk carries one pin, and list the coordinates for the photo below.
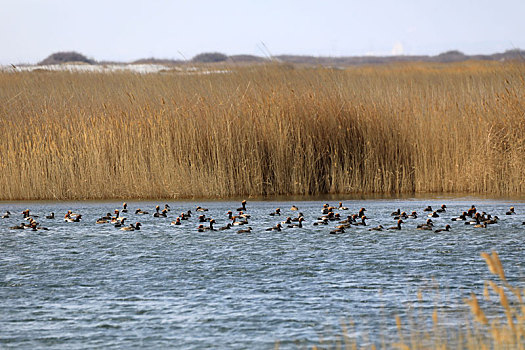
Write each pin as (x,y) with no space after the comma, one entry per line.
(263,130)
(502,326)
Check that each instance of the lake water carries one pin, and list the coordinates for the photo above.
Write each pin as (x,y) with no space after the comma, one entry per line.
(87,285)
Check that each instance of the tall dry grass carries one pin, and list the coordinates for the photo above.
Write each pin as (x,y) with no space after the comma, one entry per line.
(263,130)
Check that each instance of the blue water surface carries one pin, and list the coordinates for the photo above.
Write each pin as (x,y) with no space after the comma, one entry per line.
(85,285)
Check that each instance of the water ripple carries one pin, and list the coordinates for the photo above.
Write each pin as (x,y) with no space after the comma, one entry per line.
(83,285)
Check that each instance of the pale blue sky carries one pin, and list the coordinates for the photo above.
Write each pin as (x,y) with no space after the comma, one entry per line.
(126,30)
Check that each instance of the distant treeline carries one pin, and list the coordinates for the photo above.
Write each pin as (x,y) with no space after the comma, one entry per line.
(217,57)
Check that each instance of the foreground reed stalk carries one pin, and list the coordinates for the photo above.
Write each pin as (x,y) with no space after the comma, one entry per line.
(500,326)
(263,130)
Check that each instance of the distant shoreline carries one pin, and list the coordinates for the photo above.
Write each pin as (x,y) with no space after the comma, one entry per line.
(215,57)
(514,198)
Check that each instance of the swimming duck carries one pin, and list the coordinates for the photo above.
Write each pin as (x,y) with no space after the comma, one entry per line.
(243,206)
(288,221)
(18,227)
(361,212)
(183,216)
(227,227)
(237,223)
(294,208)
(117,217)
(396,212)
(476,220)
(107,217)
(403,216)
(211,225)
(490,221)
(6,215)
(131,227)
(101,221)
(230,214)
(398,227)
(277,212)
(321,222)
(362,223)
(50,216)
(433,215)
(28,226)
(472,211)
(73,218)
(201,209)
(344,226)
(124,207)
(119,223)
(200,228)
(188,213)
(162,214)
(462,217)
(245,230)
(202,218)
(442,209)
(447,228)
(429,208)
(511,211)
(244,215)
(176,222)
(36,227)
(337,231)
(341,206)
(275,228)
(348,220)
(481,225)
(377,228)
(299,225)
(141,212)
(299,216)
(326,209)
(210,228)
(413,215)
(329,216)
(167,207)
(426,225)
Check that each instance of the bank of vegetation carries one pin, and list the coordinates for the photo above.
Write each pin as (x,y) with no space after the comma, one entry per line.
(264,130)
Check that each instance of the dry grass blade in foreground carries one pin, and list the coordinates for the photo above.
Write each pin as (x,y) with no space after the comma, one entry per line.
(501,327)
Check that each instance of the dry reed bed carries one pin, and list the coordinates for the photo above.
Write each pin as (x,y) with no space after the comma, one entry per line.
(263,130)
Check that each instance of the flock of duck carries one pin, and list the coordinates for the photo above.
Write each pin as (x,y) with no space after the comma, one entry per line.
(239,219)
